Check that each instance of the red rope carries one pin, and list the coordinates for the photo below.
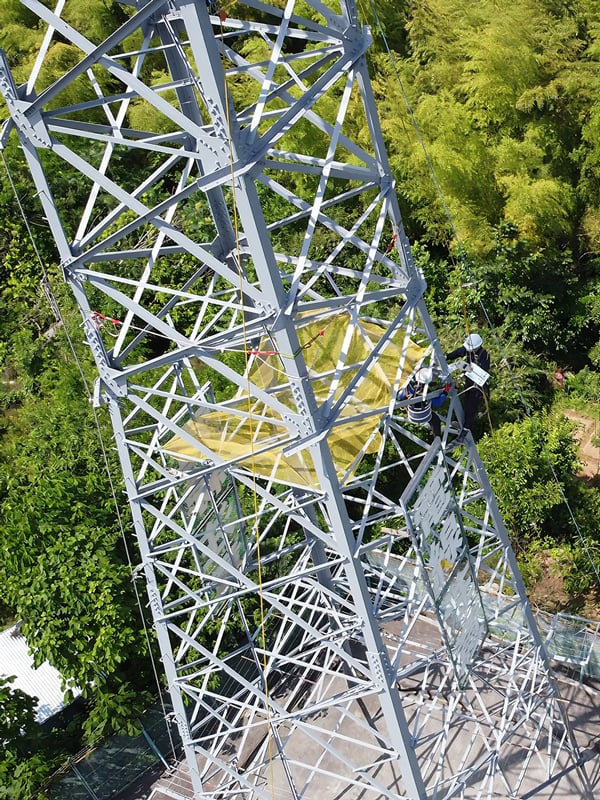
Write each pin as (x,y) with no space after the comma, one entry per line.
(99,319)
(310,341)
(392,243)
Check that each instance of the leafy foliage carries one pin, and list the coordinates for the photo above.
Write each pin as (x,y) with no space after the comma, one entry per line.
(502,133)
(64,573)
(22,767)
(499,108)
(531,465)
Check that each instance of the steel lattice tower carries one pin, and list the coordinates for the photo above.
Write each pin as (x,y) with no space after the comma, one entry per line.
(338,608)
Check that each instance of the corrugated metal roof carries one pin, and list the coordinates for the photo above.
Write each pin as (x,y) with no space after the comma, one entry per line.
(43,683)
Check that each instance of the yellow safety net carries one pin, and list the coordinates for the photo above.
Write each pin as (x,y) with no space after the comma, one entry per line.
(254,435)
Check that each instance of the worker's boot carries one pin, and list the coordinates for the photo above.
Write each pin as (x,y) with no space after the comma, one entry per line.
(458,441)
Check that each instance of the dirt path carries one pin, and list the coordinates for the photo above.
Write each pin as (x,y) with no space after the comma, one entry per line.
(589,453)
(549,592)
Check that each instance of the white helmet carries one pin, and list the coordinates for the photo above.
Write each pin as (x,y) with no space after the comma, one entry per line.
(473,342)
(424,375)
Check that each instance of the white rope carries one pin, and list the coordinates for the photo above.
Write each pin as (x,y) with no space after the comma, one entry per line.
(55,308)
(470,277)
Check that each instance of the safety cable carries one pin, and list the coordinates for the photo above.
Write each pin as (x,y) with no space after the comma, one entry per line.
(55,307)
(415,124)
(464,262)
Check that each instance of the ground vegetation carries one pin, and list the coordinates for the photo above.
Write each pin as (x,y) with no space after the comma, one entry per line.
(491,116)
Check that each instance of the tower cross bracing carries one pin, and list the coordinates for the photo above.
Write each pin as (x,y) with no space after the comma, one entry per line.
(338,608)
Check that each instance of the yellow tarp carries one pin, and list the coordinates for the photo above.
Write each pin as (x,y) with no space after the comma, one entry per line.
(235,437)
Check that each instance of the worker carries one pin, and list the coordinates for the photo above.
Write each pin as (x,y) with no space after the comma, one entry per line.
(476,368)
(421,411)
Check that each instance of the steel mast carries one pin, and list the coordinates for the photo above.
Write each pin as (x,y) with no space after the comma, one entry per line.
(334,594)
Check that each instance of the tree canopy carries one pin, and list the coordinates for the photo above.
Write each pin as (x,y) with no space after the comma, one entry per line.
(491,114)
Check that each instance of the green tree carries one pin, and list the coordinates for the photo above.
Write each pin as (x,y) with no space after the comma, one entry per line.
(534,294)
(531,465)
(63,567)
(500,96)
(22,764)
